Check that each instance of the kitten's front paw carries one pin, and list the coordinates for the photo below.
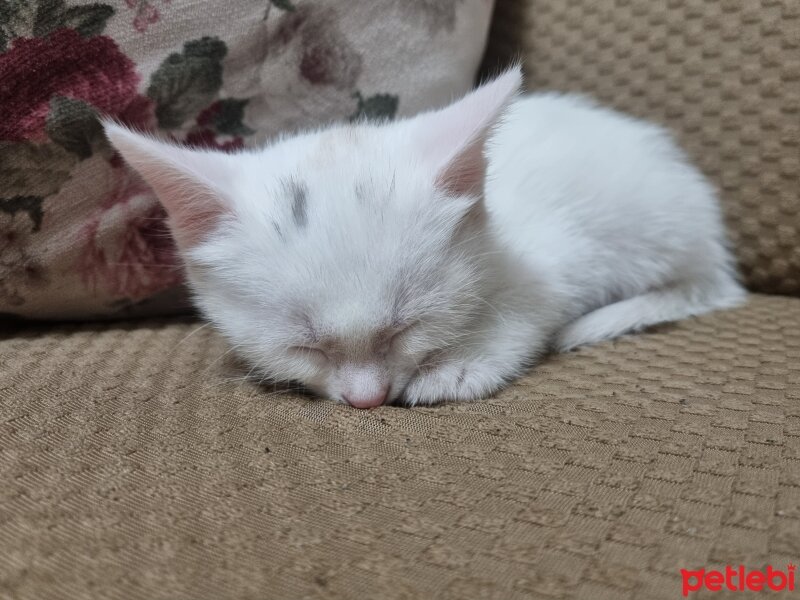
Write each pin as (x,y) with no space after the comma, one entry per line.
(451,380)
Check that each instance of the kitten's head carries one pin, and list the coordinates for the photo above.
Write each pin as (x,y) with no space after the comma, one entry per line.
(345,258)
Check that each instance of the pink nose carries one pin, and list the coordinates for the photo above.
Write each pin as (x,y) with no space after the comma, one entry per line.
(367,400)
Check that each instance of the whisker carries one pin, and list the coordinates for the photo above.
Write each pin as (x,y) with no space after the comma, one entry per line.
(190,334)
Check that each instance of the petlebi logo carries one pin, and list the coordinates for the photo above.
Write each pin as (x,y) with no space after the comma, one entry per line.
(739,579)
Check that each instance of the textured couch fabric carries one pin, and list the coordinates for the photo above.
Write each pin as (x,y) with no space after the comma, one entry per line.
(134,464)
(132,468)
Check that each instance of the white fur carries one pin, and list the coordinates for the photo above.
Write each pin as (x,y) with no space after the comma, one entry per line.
(403,280)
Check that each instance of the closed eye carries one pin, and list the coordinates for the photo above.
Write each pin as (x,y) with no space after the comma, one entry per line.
(309,352)
(398,336)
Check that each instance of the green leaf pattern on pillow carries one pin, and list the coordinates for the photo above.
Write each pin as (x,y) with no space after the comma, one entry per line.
(69,208)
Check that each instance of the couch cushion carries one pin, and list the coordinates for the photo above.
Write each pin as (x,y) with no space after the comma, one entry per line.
(724,76)
(131,467)
(81,235)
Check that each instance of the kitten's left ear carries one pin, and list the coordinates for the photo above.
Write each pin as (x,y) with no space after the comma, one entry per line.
(454,138)
(189,183)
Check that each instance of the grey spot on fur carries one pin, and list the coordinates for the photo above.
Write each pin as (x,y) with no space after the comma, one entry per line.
(461,377)
(299,195)
(310,329)
(362,195)
(278,230)
(367,191)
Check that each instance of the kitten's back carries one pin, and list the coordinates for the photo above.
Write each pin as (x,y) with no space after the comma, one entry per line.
(608,205)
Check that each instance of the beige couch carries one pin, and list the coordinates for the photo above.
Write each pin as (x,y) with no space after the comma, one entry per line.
(131,466)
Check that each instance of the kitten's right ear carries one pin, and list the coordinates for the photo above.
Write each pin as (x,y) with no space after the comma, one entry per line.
(452,140)
(189,183)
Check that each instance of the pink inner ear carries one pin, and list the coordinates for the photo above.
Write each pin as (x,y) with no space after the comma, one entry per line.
(193,208)
(464,175)
(191,229)
(453,138)
(186,181)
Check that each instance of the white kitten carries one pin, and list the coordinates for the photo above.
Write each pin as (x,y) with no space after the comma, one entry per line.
(438,257)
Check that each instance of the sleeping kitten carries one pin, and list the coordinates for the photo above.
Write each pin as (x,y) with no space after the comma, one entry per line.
(438,257)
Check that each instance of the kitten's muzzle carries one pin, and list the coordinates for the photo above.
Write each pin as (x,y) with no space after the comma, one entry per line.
(369,400)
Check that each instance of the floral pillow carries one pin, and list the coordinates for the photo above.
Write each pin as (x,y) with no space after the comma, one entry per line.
(80,234)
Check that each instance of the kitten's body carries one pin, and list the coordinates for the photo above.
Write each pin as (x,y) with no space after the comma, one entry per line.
(601,228)
(383,263)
